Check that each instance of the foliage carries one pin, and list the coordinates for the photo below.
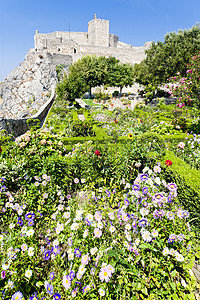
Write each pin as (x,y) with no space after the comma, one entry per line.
(165,59)
(98,243)
(187,181)
(187,86)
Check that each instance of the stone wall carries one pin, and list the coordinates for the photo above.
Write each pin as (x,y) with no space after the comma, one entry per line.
(18,127)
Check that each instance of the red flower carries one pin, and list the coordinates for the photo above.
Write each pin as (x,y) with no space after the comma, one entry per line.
(168,162)
(115,121)
(97,152)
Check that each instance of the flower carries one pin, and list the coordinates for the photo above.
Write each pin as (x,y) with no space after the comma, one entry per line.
(49,288)
(105,274)
(143,222)
(97,153)
(51,276)
(30,251)
(146,235)
(57,296)
(3,274)
(28,273)
(34,297)
(77,252)
(17,296)
(66,282)
(29,216)
(101,292)
(47,255)
(168,162)
(179,257)
(181,145)
(97,232)
(130,136)
(85,259)
(165,251)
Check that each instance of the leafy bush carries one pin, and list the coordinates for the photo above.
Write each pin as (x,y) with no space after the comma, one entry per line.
(99,243)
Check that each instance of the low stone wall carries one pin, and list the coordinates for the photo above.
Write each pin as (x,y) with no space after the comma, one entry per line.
(18,127)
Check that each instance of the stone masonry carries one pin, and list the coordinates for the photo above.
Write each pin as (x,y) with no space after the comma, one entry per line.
(27,88)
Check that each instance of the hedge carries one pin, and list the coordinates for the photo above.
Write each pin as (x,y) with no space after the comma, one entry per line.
(188,183)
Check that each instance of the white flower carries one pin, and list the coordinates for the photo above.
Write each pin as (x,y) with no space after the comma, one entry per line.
(184,284)
(165,251)
(30,232)
(126,244)
(93,250)
(150,172)
(28,273)
(100,225)
(179,257)
(74,226)
(146,235)
(60,207)
(81,194)
(11,226)
(24,229)
(101,292)
(85,234)
(20,211)
(112,229)
(89,217)
(111,215)
(144,212)
(191,272)
(157,180)
(66,215)
(1,237)
(55,243)
(172,251)
(145,169)
(137,241)
(157,169)
(6,266)
(82,269)
(30,251)
(128,227)
(71,256)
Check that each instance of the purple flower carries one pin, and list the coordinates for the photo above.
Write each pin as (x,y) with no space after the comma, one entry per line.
(108,193)
(145,190)
(135,187)
(170,215)
(143,222)
(49,288)
(68,196)
(34,297)
(51,276)
(47,254)
(31,223)
(69,241)
(143,177)
(185,214)
(172,238)
(77,252)
(3,274)
(87,222)
(97,233)
(126,202)
(29,216)
(57,296)
(17,296)
(20,222)
(72,275)
(181,237)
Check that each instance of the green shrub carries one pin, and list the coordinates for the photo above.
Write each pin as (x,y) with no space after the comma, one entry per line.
(187,181)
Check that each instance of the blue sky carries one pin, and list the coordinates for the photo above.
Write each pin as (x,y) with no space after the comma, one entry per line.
(134,21)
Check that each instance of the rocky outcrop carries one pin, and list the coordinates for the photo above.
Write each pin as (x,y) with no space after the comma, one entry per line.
(28,87)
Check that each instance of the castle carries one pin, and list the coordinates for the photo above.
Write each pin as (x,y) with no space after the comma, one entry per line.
(27,88)
(67,47)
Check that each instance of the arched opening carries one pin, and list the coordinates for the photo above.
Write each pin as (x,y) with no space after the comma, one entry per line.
(74,50)
(58,49)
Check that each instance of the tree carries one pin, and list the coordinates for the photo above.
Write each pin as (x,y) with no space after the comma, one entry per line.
(165,59)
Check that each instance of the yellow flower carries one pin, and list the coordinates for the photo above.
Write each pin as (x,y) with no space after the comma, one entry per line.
(130,136)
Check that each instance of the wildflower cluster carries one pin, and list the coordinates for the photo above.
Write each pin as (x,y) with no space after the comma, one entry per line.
(78,248)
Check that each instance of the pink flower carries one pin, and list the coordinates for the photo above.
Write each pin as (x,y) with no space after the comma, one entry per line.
(97,232)
(66,282)
(181,145)
(105,274)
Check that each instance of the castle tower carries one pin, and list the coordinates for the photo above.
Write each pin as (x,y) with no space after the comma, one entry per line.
(98,32)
